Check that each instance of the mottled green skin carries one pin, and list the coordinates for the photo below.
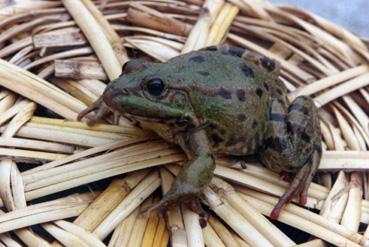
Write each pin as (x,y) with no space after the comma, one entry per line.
(217,102)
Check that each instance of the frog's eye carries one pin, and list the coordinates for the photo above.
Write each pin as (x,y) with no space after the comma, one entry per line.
(155,87)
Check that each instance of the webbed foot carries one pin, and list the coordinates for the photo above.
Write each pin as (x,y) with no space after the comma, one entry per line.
(181,194)
(299,185)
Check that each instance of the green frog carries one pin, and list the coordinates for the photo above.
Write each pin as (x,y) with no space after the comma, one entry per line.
(220,100)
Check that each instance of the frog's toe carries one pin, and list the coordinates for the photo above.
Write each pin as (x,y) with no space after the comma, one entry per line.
(98,106)
(168,202)
(196,207)
(160,206)
(191,200)
(309,177)
(299,185)
(177,195)
(294,189)
(89,109)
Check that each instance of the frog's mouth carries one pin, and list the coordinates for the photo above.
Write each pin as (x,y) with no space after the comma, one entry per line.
(109,95)
(143,119)
(139,108)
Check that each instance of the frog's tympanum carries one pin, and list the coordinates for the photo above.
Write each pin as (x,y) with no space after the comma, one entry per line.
(220,100)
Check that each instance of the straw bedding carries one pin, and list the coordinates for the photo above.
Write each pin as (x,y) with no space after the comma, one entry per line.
(64,183)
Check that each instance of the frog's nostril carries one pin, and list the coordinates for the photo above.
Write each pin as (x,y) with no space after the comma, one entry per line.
(110,94)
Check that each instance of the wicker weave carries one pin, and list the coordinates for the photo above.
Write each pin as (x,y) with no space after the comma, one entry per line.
(64,183)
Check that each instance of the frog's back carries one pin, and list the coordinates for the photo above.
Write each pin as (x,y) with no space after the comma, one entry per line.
(213,68)
(231,96)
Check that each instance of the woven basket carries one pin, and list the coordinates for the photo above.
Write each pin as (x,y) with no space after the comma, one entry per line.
(64,183)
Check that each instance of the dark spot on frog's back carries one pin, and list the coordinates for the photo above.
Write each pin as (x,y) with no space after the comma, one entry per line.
(279,91)
(305,137)
(241,94)
(299,108)
(254,124)
(211,48)
(268,64)
(210,155)
(275,143)
(203,73)
(231,141)
(214,127)
(246,70)
(298,130)
(225,52)
(197,59)
(266,86)
(236,51)
(279,145)
(225,93)
(278,117)
(259,92)
(241,117)
(216,139)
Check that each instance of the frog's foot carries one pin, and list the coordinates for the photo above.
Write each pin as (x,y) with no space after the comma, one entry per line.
(294,189)
(299,185)
(243,164)
(181,194)
(98,105)
(177,195)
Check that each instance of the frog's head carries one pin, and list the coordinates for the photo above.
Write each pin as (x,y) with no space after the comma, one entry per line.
(145,90)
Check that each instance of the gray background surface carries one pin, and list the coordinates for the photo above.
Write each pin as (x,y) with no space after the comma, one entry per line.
(351,14)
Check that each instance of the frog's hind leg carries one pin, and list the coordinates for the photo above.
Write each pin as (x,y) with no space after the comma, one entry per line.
(292,143)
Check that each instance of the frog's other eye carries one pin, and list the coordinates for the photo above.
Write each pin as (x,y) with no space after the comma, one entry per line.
(124,67)
(155,87)
(132,65)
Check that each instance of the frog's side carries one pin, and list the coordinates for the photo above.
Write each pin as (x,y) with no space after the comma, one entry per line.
(221,100)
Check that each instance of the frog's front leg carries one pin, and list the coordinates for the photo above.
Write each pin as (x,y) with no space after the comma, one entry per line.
(293,144)
(195,175)
(98,106)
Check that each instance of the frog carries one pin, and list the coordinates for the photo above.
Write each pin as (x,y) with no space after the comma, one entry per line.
(219,100)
